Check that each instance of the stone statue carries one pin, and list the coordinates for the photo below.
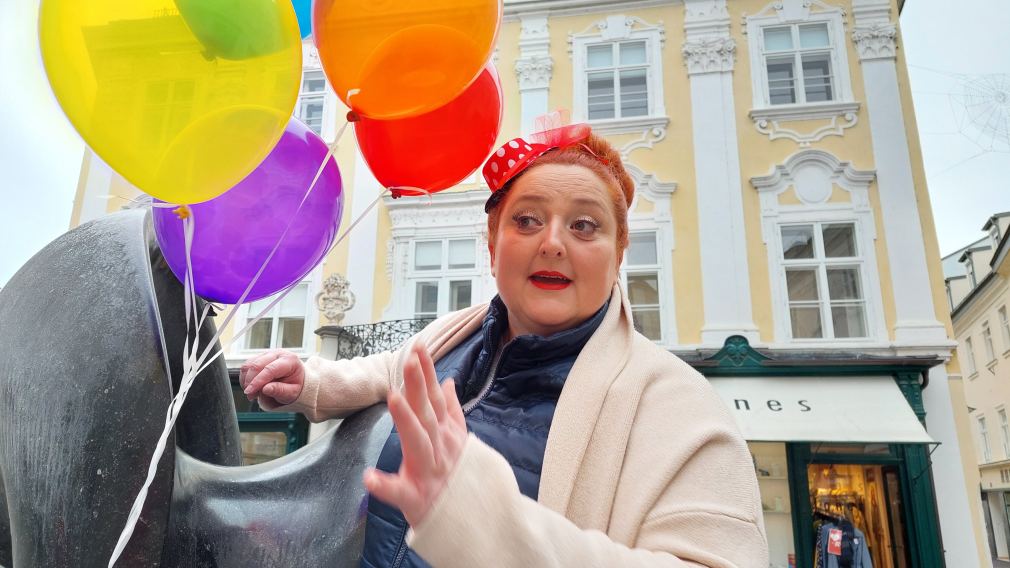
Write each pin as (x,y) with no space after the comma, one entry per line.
(86,376)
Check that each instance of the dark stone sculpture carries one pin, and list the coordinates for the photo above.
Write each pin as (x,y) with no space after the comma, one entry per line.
(83,396)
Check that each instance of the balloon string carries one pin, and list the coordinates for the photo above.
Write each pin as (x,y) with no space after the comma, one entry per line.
(193,365)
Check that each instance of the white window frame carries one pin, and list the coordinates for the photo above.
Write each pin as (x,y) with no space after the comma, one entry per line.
(311,64)
(1004,324)
(990,349)
(1004,427)
(443,275)
(820,263)
(969,355)
(618,29)
(813,175)
(662,279)
(969,268)
(447,216)
(659,221)
(239,349)
(773,15)
(983,435)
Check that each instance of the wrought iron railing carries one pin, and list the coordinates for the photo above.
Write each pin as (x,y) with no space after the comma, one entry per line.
(386,335)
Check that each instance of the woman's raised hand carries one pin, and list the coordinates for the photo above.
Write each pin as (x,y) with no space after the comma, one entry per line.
(276,377)
(432,435)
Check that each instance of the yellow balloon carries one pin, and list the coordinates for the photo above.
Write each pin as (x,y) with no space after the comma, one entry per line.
(184,104)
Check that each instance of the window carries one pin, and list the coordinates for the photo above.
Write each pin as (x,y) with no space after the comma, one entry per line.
(312,99)
(1004,429)
(617,80)
(990,352)
(442,275)
(984,438)
(824,286)
(798,63)
(642,277)
(969,268)
(284,325)
(1004,325)
(969,355)
(617,75)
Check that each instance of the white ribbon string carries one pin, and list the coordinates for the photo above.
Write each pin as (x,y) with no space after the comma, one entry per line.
(194,361)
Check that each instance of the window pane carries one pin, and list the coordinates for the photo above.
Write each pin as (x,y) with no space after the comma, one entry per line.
(802,285)
(294,304)
(428,255)
(313,82)
(601,95)
(814,36)
(292,333)
(798,242)
(806,322)
(462,253)
(848,321)
(781,81)
(643,289)
(817,77)
(426,299)
(600,56)
(634,93)
(259,305)
(311,113)
(777,39)
(647,323)
(642,249)
(839,241)
(843,284)
(260,334)
(460,293)
(259,447)
(633,53)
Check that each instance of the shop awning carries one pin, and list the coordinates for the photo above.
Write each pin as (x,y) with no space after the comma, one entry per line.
(821,409)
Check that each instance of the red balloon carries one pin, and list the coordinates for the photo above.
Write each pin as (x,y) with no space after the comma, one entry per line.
(438,149)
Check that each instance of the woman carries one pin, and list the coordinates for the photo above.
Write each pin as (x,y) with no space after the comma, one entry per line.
(580,442)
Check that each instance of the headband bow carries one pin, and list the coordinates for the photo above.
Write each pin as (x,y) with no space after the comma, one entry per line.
(519,153)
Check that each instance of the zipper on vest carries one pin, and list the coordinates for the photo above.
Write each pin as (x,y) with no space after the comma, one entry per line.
(489,382)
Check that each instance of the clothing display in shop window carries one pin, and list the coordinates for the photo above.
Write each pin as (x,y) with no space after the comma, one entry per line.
(841,545)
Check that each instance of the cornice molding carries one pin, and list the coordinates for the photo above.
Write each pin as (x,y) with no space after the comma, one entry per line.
(842,173)
(514,9)
(842,116)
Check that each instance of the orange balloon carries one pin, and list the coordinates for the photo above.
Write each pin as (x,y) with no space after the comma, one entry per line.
(391,59)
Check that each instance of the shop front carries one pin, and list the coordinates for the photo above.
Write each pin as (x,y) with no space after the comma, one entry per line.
(840,452)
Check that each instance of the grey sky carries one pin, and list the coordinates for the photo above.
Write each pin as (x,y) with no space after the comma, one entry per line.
(947,44)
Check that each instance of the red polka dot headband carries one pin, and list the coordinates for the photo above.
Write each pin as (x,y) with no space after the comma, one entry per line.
(518,154)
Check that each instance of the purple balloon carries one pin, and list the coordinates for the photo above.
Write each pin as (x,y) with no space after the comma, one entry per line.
(235,232)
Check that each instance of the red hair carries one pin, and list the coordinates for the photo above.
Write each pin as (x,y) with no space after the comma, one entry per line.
(597,155)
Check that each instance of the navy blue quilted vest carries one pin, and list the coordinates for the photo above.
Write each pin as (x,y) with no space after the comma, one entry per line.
(512,414)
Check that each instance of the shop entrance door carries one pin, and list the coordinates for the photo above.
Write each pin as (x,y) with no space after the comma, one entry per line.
(863,504)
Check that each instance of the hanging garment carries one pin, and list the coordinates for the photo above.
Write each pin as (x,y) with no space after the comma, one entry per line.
(853,550)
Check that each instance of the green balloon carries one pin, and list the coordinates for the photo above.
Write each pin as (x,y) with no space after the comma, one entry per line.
(238,29)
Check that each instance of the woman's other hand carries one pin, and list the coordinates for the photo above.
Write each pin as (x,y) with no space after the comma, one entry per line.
(275,377)
(432,435)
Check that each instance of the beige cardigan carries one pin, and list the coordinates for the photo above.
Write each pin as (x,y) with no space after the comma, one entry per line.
(644,465)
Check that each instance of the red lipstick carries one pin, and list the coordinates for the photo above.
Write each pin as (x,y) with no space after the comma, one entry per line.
(549,280)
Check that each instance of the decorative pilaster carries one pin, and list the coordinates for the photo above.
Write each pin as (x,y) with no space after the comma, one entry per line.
(709,53)
(533,68)
(875,37)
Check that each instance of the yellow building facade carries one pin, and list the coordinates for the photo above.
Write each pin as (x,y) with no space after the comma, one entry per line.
(781,241)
